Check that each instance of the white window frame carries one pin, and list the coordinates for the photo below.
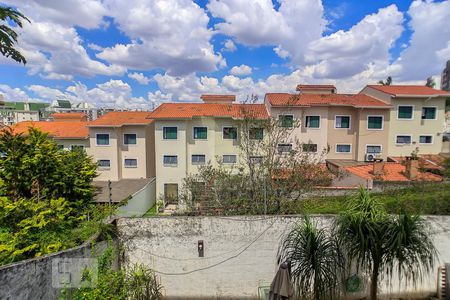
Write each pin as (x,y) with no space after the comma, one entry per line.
(432,138)
(169,139)
(130,167)
(435,115)
(193,133)
(229,163)
(109,140)
(170,165)
(412,115)
(198,164)
(349,122)
(401,144)
(313,128)
(336,147)
(130,144)
(293,120)
(78,145)
(237,133)
(104,168)
(382,122)
(373,145)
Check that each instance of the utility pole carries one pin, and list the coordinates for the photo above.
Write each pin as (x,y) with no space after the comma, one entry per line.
(110,197)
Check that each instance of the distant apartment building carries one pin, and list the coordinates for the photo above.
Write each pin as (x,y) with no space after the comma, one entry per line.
(188,135)
(445,77)
(15,112)
(416,117)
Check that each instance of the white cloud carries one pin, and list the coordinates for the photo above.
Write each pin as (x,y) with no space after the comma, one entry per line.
(13,94)
(241,70)
(229,46)
(139,77)
(168,34)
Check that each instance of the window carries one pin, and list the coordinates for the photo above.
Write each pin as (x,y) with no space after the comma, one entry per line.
(256,159)
(312,122)
(130,163)
(170,160)
(342,122)
(170,133)
(102,139)
(286,120)
(76,147)
(60,147)
(171,192)
(256,133)
(403,139)
(373,149)
(104,163)
(200,133)
(426,139)
(129,139)
(309,147)
(343,148)
(284,148)
(229,133)
(198,159)
(229,159)
(375,122)
(405,112)
(429,113)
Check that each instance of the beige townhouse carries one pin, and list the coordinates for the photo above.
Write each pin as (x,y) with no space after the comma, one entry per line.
(416,117)
(122,143)
(344,126)
(188,135)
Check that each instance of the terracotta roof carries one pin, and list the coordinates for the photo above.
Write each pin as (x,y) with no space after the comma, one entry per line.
(190,110)
(69,115)
(353,100)
(209,97)
(408,90)
(427,161)
(315,87)
(392,172)
(61,130)
(120,118)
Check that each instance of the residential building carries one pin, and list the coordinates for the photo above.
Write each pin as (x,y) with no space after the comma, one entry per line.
(416,120)
(14,112)
(335,126)
(188,135)
(123,144)
(445,77)
(69,117)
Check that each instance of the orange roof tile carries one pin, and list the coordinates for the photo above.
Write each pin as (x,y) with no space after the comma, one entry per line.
(210,97)
(120,118)
(427,161)
(191,110)
(315,87)
(392,172)
(60,130)
(409,90)
(69,115)
(353,100)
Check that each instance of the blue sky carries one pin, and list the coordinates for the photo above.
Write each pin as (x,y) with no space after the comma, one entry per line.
(138,52)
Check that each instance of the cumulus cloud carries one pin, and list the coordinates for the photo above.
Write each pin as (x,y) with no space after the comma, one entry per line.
(139,77)
(229,46)
(241,70)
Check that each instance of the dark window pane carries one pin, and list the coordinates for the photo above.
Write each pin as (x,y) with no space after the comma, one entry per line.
(312,121)
(343,148)
(198,159)
(309,147)
(229,159)
(342,122)
(429,113)
(104,163)
(425,139)
(405,112)
(130,139)
(170,159)
(403,139)
(200,133)
(375,122)
(170,133)
(230,133)
(256,133)
(373,149)
(286,121)
(102,139)
(284,148)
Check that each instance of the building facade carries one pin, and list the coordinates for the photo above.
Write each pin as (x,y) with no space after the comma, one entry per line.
(445,77)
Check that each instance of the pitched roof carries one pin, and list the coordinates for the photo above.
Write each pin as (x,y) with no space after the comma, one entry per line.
(120,118)
(409,90)
(427,161)
(315,87)
(353,100)
(191,110)
(392,171)
(61,130)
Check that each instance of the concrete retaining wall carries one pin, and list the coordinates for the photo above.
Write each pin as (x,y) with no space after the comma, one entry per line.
(239,252)
(140,202)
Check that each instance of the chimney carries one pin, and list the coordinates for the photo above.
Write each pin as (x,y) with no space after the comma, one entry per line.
(218,99)
(378,167)
(412,168)
(316,89)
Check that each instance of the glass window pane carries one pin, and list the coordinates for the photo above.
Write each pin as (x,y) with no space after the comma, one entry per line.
(286,120)
(312,121)
(343,148)
(403,139)
(256,133)
(405,112)
(130,139)
(170,133)
(284,148)
(104,163)
(130,163)
(102,139)
(229,159)
(198,159)
(342,122)
(375,122)
(373,149)
(230,133)
(76,147)
(429,113)
(309,147)
(170,159)
(256,159)
(200,133)
(425,139)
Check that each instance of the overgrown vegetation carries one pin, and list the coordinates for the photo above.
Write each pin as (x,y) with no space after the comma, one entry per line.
(45,197)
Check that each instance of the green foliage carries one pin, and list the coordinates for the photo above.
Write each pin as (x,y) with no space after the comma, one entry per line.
(388,81)
(8,37)
(446,165)
(316,263)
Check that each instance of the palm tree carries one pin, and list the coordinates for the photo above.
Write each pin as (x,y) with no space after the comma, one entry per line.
(381,244)
(8,37)
(387,82)
(315,261)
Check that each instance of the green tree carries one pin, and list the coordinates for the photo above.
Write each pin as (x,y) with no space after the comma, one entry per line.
(382,244)
(316,263)
(8,37)
(430,82)
(388,81)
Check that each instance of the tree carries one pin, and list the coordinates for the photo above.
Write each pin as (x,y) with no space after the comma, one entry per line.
(381,244)
(430,82)
(387,82)
(317,265)
(8,37)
